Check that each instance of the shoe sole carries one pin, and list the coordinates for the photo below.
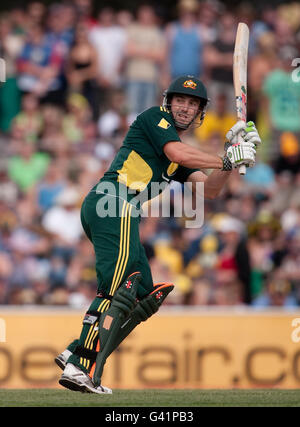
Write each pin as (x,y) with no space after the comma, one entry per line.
(82,388)
(59,363)
(94,391)
(71,385)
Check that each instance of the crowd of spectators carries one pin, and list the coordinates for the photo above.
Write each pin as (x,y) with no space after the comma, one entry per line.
(75,81)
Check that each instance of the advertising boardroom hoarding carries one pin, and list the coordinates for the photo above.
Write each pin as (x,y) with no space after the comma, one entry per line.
(174,349)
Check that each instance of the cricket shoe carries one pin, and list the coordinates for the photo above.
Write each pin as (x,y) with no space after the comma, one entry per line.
(75,379)
(62,358)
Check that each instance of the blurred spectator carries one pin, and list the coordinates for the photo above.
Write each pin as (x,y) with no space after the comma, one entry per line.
(114,123)
(27,167)
(201,292)
(84,12)
(276,293)
(227,291)
(109,40)
(290,266)
(8,189)
(52,137)
(82,297)
(260,65)
(63,220)
(19,20)
(36,12)
(10,48)
(218,61)
(124,18)
(217,121)
(263,232)
(209,13)
(56,144)
(77,123)
(145,54)
(29,121)
(282,101)
(60,26)
(233,263)
(263,24)
(39,66)
(81,67)
(184,43)
(50,187)
(263,61)
(289,154)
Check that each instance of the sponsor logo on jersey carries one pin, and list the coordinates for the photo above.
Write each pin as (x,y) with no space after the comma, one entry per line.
(164,124)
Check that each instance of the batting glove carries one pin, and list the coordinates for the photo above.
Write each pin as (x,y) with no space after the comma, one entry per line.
(239,154)
(248,132)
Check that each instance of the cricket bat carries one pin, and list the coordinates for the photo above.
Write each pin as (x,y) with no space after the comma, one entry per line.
(240,59)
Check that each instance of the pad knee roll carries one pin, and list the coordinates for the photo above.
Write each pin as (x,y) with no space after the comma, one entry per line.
(150,304)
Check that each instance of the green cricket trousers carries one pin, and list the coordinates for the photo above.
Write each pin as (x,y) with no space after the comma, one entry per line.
(112,225)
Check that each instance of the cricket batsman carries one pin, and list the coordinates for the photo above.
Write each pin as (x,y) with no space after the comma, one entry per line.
(153,151)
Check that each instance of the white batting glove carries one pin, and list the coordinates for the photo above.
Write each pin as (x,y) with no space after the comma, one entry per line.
(239,154)
(251,134)
(248,132)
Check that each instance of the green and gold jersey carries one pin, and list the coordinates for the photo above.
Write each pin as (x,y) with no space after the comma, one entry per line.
(141,161)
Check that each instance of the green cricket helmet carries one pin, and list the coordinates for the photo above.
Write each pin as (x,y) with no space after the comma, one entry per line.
(187,85)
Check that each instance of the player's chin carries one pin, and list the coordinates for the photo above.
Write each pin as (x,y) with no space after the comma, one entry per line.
(184,121)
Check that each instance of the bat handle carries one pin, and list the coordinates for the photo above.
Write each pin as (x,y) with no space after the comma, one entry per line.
(242,168)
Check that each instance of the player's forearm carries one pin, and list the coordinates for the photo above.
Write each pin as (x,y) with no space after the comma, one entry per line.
(215,182)
(191,157)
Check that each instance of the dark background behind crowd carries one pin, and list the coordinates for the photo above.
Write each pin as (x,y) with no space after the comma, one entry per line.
(78,73)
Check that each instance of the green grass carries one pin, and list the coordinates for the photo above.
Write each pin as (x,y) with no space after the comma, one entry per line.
(151,398)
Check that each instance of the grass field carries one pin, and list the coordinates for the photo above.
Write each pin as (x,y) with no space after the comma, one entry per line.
(151,398)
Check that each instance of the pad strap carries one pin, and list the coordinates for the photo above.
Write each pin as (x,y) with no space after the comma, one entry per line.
(103,294)
(86,353)
(91,317)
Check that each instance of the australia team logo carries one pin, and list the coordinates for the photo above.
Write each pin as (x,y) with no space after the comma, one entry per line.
(190,84)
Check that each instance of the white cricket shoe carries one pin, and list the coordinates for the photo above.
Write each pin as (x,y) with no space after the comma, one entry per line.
(62,358)
(75,379)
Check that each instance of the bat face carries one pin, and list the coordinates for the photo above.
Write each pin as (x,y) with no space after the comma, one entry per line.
(240,70)
(241,104)
(240,57)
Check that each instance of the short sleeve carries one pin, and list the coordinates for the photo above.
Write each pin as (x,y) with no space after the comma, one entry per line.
(159,128)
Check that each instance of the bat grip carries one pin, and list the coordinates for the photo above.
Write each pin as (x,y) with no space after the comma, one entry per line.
(242,168)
